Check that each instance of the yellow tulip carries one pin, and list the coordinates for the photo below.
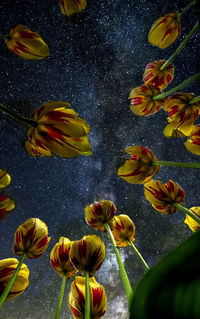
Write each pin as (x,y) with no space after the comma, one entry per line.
(5,179)
(70,7)
(88,254)
(193,224)
(193,142)
(6,205)
(26,44)
(165,30)
(98,298)
(99,213)
(31,238)
(60,258)
(124,230)
(158,78)
(7,267)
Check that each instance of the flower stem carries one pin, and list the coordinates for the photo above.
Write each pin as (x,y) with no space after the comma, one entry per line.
(186,8)
(11,281)
(4,37)
(87,296)
(178,87)
(187,211)
(138,253)
(17,117)
(122,270)
(181,46)
(194,100)
(176,164)
(62,289)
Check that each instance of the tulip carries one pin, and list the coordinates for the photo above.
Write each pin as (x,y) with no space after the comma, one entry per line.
(88,254)
(193,142)
(26,44)
(70,7)
(165,30)
(31,238)
(138,169)
(194,226)
(182,113)
(142,102)
(9,288)
(77,298)
(6,205)
(124,230)
(5,179)
(99,213)
(157,77)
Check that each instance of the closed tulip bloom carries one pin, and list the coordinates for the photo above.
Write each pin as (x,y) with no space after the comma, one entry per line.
(98,298)
(6,205)
(158,78)
(60,258)
(163,196)
(88,254)
(7,267)
(58,130)
(5,179)
(123,231)
(138,169)
(182,115)
(142,102)
(99,213)
(165,30)
(70,7)
(193,225)
(26,44)
(31,238)
(193,142)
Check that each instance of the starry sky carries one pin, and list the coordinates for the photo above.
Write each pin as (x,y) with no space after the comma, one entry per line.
(94,62)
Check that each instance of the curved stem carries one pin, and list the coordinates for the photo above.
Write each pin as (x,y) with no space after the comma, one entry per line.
(178,87)
(122,270)
(62,289)
(176,164)
(194,100)
(17,117)
(186,8)
(11,281)
(188,212)
(138,253)
(181,46)
(87,296)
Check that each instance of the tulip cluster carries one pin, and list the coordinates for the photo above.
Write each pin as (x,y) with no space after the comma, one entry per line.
(6,204)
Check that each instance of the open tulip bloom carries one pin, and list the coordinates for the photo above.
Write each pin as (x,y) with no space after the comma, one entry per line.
(26,44)
(193,225)
(157,77)
(55,128)
(193,142)
(70,7)
(6,205)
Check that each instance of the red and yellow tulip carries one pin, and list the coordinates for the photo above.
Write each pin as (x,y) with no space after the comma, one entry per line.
(124,230)
(7,267)
(5,179)
(193,142)
(6,205)
(60,258)
(88,254)
(58,130)
(181,113)
(26,44)
(31,238)
(158,78)
(142,102)
(70,7)
(163,196)
(138,169)
(193,224)
(99,213)
(165,30)
(98,298)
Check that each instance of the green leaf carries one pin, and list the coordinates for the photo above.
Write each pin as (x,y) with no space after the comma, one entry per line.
(171,290)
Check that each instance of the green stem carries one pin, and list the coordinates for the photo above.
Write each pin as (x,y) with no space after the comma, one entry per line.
(4,37)
(87,296)
(122,270)
(138,253)
(11,281)
(178,87)
(194,100)
(186,8)
(181,46)
(188,212)
(17,117)
(176,164)
(62,289)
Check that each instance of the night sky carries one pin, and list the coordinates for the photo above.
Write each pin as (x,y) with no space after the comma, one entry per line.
(94,62)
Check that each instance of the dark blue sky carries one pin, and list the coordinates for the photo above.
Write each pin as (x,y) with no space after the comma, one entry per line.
(93,65)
